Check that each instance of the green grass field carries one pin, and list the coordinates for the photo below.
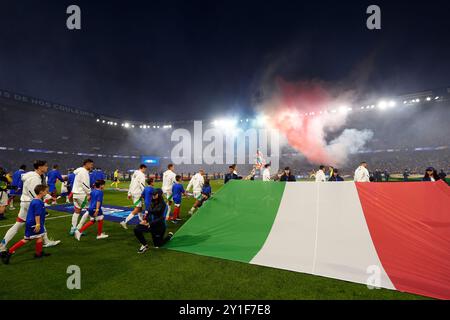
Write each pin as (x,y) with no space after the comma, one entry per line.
(112,269)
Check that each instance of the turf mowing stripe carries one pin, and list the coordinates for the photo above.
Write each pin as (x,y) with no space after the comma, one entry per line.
(51,218)
(219,229)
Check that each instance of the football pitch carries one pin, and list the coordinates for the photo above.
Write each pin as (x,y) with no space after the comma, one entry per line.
(112,269)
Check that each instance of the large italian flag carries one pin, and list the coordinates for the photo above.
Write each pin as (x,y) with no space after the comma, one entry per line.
(391,235)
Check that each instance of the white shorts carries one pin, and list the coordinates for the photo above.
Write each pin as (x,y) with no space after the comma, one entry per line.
(197,195)
(23,211)
(3,198)
(80,201)
(168,195)
(137,200)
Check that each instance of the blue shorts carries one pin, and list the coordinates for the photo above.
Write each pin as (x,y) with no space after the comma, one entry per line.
(92,211)
(176,200)
(31,234)
(15,193)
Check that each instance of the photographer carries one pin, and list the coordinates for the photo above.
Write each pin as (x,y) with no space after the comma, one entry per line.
(154,222)
(5,185)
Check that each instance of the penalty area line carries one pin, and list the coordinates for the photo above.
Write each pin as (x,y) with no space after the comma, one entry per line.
(51,218)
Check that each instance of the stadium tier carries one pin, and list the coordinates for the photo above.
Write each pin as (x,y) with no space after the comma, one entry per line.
(412,136)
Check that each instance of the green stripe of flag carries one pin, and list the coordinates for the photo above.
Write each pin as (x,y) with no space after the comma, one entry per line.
(234,224)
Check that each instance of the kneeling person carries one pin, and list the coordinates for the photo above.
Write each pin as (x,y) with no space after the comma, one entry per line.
(34,225)
(95,211)
(154,222)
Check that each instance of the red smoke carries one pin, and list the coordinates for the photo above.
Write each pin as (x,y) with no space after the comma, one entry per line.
(306,133)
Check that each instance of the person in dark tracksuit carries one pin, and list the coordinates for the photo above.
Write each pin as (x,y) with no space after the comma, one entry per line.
(154,222)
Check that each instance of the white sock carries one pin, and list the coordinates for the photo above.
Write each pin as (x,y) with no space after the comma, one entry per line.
(141,216)
(12,232)
(83,220)
(169,208)
(130,216)
(192,210)
(75,219)
(46,239)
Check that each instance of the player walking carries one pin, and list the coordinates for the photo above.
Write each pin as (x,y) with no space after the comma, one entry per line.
(169,178)
(81,191)
(137,186)
(196,184)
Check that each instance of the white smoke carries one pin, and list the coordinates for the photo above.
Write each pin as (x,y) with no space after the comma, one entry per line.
(350,141)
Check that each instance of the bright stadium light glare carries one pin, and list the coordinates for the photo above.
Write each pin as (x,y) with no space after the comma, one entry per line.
(343,109)
(417,100)
(126,125)
(428,99)
(437,97)
(261,120)
(98,120)
(392,103)
(382,105)
(132,125)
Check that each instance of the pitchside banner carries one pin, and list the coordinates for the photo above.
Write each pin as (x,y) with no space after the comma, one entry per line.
(111,213)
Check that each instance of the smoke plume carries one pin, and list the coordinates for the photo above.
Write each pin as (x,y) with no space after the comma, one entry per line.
(307,113)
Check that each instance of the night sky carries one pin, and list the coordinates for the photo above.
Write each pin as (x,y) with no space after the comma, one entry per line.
(172,60)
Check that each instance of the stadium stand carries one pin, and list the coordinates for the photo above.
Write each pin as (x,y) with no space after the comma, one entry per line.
(412,136)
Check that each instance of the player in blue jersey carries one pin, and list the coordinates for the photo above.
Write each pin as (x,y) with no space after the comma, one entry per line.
(17,185)
(147,194)
(70,181)
(34,225)
(53,176)
(177,194)
(95,211)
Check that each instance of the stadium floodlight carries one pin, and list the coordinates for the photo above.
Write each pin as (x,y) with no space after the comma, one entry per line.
(382,105)
(98,120)
(417,100)
(405,102)
(126,125)
(392,103)
(246,120)
(437,97)
(343,109)
(157,127)
(132,125)
(261,120)
(428,99)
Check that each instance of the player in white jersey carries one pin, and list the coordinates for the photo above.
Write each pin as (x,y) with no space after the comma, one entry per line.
(361,173)
(81,191)
(196,184)
(320,175)
(137,186)
(266,173)
(169,178)
(30,181)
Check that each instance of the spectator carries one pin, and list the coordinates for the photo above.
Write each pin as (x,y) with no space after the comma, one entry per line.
(386,175)
(442,174)
(405,175)
(336,177)
(430,175)
(287,175)
(232,174)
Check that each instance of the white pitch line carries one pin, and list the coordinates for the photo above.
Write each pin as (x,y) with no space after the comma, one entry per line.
(51,218)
